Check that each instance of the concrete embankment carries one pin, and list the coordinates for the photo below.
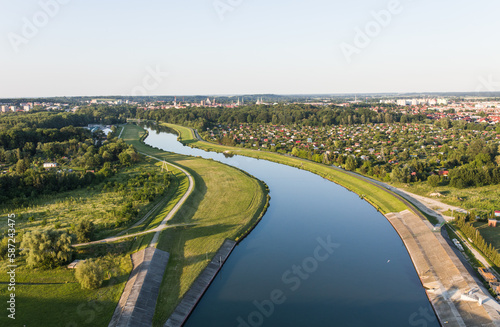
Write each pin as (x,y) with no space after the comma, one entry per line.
(138,301)
(443,281)
(200,285)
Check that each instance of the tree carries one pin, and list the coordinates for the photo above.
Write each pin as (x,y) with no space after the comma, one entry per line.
(89,274)
(125,158)
(351,163)
(85,231)
(433,180)
(46,249)
(400,175)
(21,166)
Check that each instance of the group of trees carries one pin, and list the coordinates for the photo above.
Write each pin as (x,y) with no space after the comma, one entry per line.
(303,114)
(472,233)
(52,248)
(46,249)
(23,152)
(95,114)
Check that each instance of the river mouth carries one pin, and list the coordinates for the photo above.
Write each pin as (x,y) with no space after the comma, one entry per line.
(320,256)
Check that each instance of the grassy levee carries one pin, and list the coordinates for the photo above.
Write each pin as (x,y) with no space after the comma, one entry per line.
(225,203)
(379,198)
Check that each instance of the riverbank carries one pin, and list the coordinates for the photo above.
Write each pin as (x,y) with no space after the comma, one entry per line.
(200,286)
(441,276)
(225,203)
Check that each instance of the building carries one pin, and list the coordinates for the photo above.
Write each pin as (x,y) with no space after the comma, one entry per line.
(497,213)
(487,275)
(49,165)
(492,223)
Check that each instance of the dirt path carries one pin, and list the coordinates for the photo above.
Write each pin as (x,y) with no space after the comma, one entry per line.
(163,224)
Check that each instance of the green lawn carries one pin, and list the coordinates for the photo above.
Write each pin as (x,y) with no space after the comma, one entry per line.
(486,198)
(225,203)
(379,198)
(53,297)
(490,234)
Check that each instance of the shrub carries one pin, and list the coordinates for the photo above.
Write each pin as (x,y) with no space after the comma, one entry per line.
(4,247)
(46,249)
(433,180)
(85,231)
(89,274)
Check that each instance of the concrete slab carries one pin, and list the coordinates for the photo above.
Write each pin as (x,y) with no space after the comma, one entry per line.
(441,274)
(138,301)
(200,285)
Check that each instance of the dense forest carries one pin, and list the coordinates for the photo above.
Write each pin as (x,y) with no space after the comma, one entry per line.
(307,115)
(78,156)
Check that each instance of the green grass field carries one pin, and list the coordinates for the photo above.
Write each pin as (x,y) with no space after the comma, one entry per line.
(486,198)
(490,234)
(379,198)
(226,202)
(53,297)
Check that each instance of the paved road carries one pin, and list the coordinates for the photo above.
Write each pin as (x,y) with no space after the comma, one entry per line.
(163,224)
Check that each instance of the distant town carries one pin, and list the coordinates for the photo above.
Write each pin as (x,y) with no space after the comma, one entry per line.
(470,109)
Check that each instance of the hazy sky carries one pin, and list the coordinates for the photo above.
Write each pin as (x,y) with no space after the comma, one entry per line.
(166,47)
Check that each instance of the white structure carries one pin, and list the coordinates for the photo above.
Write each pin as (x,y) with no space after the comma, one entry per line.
(48,165)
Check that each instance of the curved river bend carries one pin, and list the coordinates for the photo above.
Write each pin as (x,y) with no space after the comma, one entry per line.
(321,256)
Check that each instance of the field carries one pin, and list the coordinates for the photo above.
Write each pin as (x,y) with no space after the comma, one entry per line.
(379,198)
(482,199)
(97,203)
(226,202)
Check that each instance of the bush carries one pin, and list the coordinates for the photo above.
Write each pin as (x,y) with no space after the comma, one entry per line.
(4,247)
(433,180)
(89,274)
(47,249)
(85,231)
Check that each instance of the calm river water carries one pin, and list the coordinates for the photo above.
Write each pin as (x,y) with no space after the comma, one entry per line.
(321,256)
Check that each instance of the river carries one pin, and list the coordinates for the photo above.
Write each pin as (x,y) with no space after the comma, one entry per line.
(321,256)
